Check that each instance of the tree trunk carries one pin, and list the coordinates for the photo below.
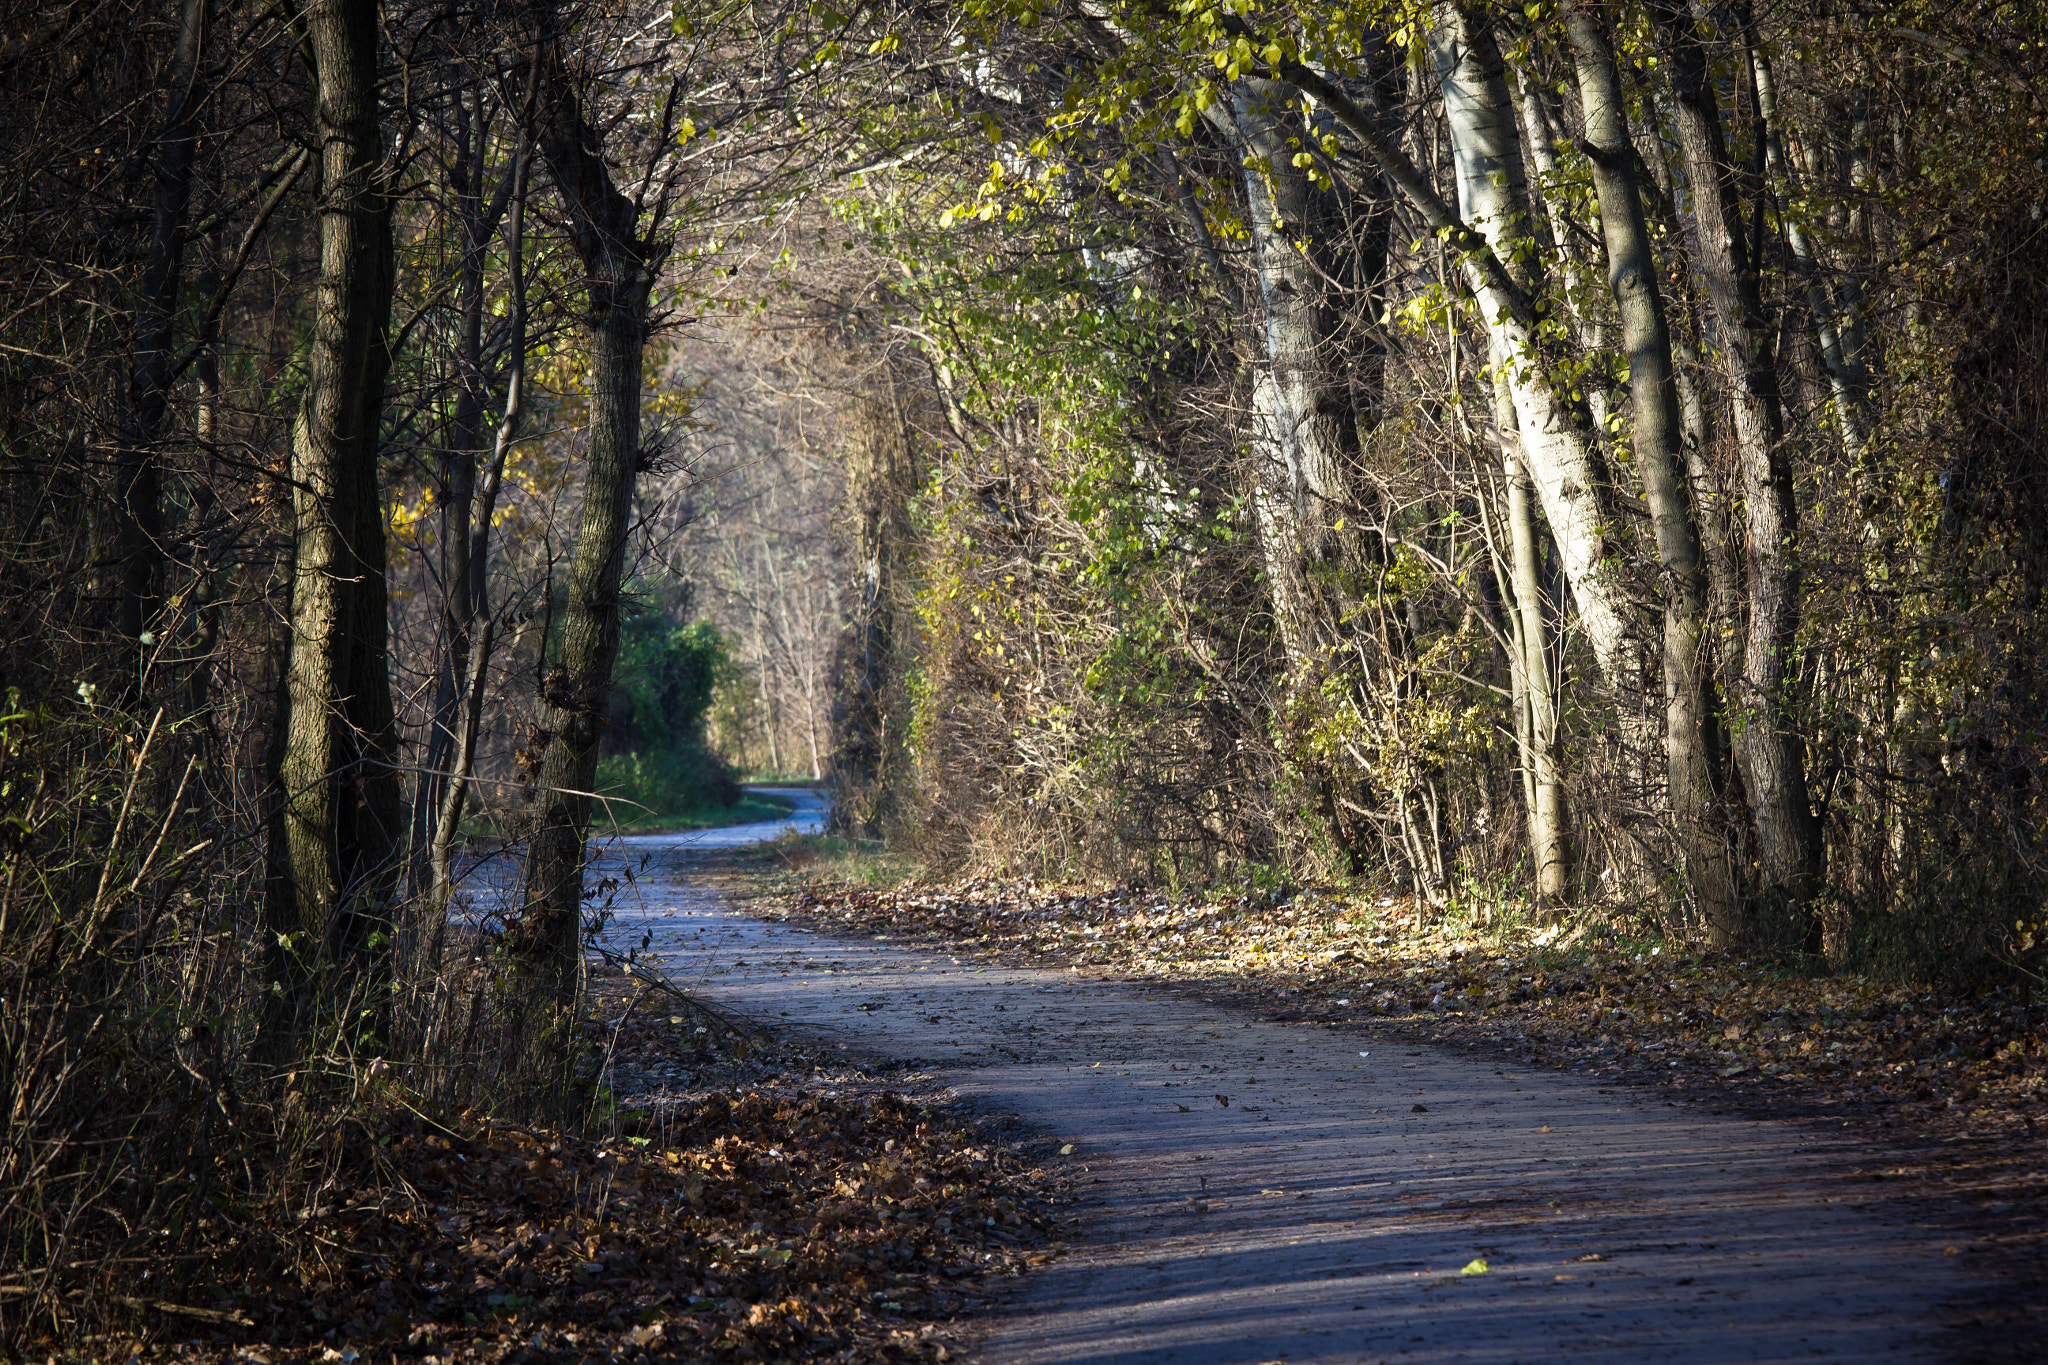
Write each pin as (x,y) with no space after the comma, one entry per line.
(878,486)
(1770,753)
(474,569)
(1556,449)
(1308,433)
(1690,741)
(340,815)
(1549,850)
(619,266)
(1320,390)
(139,497)
(463,562)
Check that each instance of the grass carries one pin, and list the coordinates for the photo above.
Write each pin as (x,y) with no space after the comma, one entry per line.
(764,778)
(752,807)
(835,859)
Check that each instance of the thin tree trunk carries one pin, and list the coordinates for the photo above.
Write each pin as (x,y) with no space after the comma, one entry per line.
(206,611)
(878,487)
(463,566)
(474,569)
(1500,551)
(139,497)
(1541,135)
(1709,491)
(1690,742)
(1767,748)
(457,494)
(1549,850)
(1848,376)
(620,266)
(340,815)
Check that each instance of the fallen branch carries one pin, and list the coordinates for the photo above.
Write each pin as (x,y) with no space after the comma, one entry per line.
(223,1317)
(647,976)
(214,1315)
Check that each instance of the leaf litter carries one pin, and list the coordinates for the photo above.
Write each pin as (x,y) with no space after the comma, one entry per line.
(741,1204)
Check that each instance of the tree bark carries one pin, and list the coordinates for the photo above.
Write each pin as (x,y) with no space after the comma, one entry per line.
(1308,433)
(879,481)
(619,266)
(1768,750)
(1549,849)
(340,815)
(1556,449)
(1690,739)
(139,497)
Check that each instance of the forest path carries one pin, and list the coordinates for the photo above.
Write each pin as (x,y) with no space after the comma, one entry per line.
(1326,1212)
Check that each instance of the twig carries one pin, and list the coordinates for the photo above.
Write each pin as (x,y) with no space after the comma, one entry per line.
(184,1311)
(121,820)
(649,977)
(215,1315)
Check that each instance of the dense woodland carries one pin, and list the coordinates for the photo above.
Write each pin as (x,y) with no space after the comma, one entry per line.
(1561,458)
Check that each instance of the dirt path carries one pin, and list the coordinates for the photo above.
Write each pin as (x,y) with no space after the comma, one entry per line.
(1325,1213)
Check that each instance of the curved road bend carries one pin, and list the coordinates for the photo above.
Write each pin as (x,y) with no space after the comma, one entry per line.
(1326,1212)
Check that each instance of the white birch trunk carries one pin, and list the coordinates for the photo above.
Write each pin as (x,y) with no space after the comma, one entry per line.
(1556,449)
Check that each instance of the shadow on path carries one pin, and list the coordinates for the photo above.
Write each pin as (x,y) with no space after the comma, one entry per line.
(1326,1211)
